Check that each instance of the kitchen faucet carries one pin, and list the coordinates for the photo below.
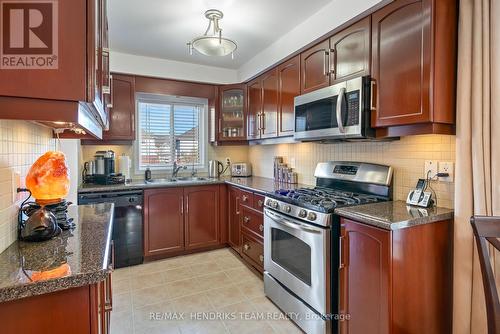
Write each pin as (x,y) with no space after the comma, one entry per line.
(176,168)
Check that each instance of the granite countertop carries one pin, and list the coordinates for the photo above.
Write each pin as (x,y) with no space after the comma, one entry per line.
(253,183)
(74,258)
(394,215)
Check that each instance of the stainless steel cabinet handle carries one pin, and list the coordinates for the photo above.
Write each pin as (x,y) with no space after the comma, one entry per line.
(261,258)
(261,227)
(340,102)
(341,259)
(372,96)
(246,247)
(110,105)
(331,60)
(326,57)
(263,127)
(244,198)
(246,219)
(260,202)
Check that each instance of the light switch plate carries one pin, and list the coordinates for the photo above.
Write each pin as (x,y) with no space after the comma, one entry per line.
(432,166)
(16,183)
(446,167)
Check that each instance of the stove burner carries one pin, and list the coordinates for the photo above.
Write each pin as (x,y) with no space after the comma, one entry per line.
(322,199)
(60,210)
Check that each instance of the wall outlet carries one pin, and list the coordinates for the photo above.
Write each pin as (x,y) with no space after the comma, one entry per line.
(446,167)
(228,161)
(16,183)
(431,169)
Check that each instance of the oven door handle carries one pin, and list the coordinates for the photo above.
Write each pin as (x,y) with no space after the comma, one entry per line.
(338,111)
(288,223)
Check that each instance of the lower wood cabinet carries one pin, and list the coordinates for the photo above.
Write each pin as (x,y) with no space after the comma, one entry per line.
(396,281)
(178,220)
(246,225)
(201,217)
(163,221)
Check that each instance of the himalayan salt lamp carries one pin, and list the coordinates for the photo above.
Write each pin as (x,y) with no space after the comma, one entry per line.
(48,178)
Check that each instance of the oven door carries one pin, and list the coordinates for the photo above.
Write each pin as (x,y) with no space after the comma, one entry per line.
(333,112)
(297,255)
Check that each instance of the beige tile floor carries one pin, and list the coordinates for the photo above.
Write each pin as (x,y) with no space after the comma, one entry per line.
(181,292)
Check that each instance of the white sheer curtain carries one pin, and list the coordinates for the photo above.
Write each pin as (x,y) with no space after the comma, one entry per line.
(477,189)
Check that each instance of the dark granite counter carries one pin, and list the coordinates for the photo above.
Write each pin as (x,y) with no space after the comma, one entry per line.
(254,183)
(74,258)
(394,215)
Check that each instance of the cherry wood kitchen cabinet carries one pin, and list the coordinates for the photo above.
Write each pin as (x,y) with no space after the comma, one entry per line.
(414,57)
(349,54)
(254,109)
(201,222)
(234,233)
(232,115)
(121,106)
(181,220)
(74,90)
(269,125)
(163,221)
(396,281)
(314,67)
(288,89)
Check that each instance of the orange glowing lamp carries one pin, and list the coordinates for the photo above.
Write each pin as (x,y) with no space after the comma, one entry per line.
(48,179)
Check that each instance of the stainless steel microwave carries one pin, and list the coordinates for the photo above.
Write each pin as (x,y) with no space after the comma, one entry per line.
(320,116)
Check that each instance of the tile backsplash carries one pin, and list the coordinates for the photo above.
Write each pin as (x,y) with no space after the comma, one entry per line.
(406,155)
(236,153)
(21,143)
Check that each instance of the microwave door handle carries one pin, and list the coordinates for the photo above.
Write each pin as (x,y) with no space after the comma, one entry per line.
(340,100)
(297,226)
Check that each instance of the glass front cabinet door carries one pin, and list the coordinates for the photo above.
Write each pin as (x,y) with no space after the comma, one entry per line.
(232,115)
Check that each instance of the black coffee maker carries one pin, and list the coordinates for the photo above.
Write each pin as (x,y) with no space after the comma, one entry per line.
(104,171)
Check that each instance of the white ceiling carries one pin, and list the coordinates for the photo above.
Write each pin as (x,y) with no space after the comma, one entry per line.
(161,28)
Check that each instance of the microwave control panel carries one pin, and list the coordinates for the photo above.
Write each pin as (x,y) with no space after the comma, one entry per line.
(353,99)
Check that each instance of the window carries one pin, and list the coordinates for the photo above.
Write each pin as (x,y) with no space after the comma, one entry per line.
(171,129)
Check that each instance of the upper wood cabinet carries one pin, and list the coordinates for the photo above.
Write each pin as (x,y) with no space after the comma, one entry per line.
(254,109)
(201,216)
(163,221)
(288,89)
(349,54)
(314,67)
(414,62)
(73,91)
(269,126)
(121,109)
(391,280)
(232,114)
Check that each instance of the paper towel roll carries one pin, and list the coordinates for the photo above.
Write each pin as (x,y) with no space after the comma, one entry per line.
(124,166)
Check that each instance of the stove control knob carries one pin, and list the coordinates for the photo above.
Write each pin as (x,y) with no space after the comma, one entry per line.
(302,213)
(287,208)
(268,202)
(311,216)
(274,204)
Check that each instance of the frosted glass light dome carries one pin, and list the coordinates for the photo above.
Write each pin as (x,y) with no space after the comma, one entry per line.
(213,44)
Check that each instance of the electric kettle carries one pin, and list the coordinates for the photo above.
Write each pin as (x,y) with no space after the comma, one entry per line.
(215,168)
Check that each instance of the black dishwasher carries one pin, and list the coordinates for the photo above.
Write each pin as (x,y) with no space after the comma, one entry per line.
(127,223)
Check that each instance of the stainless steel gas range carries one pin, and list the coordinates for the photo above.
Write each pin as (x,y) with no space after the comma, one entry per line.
(301,239)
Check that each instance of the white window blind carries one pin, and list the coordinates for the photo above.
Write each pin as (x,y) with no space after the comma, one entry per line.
(171,129)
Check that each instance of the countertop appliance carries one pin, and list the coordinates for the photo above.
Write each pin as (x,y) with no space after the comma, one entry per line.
(215,168)
(127,223)
(302,239)
(320,116)
(241,169)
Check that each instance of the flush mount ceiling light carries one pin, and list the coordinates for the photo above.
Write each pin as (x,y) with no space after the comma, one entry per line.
(212,43)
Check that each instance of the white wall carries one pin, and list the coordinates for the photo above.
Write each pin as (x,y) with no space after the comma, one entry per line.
(325,20)
(163,68)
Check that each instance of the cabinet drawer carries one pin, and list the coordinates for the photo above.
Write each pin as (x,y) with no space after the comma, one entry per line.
(258,202)
(253,251)
(246,198)
(252,221)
